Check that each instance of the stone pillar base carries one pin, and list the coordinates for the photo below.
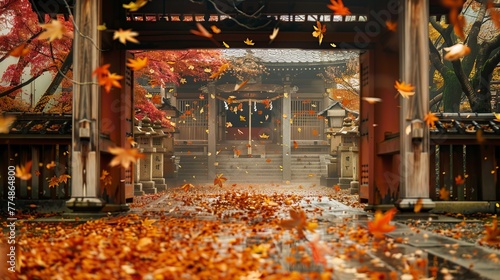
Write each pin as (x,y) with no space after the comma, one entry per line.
(85,204)
(160,184)
(148,187)
(354,187)
(345,183)
(408,204)
(138,189)
(328,181)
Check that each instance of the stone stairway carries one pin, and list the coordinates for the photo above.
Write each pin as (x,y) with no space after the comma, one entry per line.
(192,168)
(308,167)
(246,169)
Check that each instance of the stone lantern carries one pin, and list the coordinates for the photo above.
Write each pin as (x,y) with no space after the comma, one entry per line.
(335,114)
(157,157)
(347,153)
(145,164)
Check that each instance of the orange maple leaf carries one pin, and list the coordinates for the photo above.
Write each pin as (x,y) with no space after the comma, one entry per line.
(459,180)
(134,6)
(219,72)
(391,25)
(299,222)
(430,119)
(20,50)
(319,31)
(380,224)
(106,177)
(219,180)
(23,172)
(215,29)
(336,188)
(5,123)
(406,90)
(338,8)
(239,86)
(267,103)
(53,182)
(124,157)
(110,81)
(295,144)
(63,178)
(101,71)
(318,250)
(492,236)
(53,30)
(125,35)
(137,64)
(444,194)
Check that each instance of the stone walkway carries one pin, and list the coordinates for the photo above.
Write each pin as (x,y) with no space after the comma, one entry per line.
(406,252)
(237,232)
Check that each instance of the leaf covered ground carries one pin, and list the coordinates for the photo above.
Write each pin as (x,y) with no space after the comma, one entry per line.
(230,232)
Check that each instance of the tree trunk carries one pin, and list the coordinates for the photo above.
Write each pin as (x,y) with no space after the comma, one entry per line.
(452,92)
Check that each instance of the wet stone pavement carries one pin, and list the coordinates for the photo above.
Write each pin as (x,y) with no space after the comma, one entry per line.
(242,232)
(349,250)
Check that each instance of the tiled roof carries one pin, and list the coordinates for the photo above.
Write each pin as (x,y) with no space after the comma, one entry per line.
(40,124)
(466,124)
(292,55)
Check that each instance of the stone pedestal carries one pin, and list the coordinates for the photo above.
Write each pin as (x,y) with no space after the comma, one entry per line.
(145,164)
(348,162)
(332,177)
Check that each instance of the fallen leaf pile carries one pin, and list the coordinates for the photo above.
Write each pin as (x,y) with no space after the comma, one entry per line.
(211,232)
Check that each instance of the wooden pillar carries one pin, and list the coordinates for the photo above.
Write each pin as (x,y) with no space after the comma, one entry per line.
(488,173)
(286,132)
(86,114)
(212,131)
(414,133)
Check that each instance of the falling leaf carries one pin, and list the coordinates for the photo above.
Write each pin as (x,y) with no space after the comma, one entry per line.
(20,50)
(124,157)
(125,35)
(223,68)
(319,250)
(249,42)
(207,70)
(336,188)
(137,64)
(239,86)
(215,29)
(391,25)
(112,80)
(267,103)
(497,117)
(63,178)
(219,180)
(229,124)
(430,119)
(23,172)
(459,180)
(134,6)
(102,27)
(458,25)
(183,81)
(268,160)
(106,178)
(225,45)
(456,52)
(333,45)
(406,90)
(380,224)
(264,136)
(299,222)
(492,236)
(201,31)
(51,165)
(319,31)
(237,152)
(53,182)
(372,100)
(5,123)
(37,173)
(274,34)
(101,72)
(295,144)
(53,30)
(299,130)
(315,132)
(338,8)
(444,194)
(242,118)
(418,205)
